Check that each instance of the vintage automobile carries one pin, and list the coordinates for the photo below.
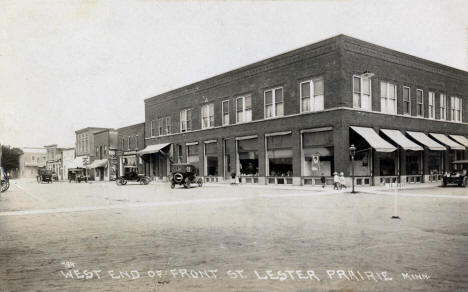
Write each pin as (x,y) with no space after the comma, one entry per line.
(44,175)
(458,175)
(77,175)
(184,174)
(132,176)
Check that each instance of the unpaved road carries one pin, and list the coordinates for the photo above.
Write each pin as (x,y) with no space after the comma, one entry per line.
(151,238)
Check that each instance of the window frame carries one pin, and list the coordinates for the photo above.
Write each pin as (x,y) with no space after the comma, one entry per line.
(456,107)
(210,118)
(443,106)
(361,92)
(244,109)
(153,128)
(185,120)
(418,104)
(224,123)
(408,101)
(274,102)
(387,97)
(312,96)
(431,104)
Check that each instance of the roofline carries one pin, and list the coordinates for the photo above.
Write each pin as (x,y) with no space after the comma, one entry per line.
(90,128)
(137,124)
(248,66)
(337,38)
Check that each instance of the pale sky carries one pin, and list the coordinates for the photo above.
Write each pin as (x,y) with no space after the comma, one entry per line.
(66,65)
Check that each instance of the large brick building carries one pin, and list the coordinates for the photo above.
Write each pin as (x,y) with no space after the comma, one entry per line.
(291,118)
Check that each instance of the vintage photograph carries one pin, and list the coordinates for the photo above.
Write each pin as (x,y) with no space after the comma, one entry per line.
(234,145)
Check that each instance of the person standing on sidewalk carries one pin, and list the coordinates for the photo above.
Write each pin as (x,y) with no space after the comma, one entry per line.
(342,181)
(336,181)
(323,180)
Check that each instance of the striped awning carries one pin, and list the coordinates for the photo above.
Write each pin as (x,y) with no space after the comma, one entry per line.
(447,141)
(98,163)
(460,139)
(426,141)
(153,148)
(374,140)
(400,139)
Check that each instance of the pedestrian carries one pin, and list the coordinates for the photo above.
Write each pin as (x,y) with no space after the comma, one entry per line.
(336,181)
(342,181)
(323,180)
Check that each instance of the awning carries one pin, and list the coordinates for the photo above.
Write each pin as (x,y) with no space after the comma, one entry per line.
(374,140)
(153,148)
(426,141)
(98,163)
(76,163)
(460,139)
(447,141)
(400,139)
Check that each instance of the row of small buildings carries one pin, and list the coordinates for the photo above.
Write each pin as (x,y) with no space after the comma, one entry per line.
(292,118)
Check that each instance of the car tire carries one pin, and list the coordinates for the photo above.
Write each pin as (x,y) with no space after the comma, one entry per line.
(200,182)
(172,185)
(465,182)
(124,182)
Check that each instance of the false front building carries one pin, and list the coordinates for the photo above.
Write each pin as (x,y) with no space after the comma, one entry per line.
(292,118)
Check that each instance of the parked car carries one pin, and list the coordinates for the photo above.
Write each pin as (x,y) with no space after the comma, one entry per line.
(184,174)
(132,176)
(77,175)
(458,175)
(44,175)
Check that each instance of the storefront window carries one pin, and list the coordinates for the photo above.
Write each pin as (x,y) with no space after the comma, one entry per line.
(413,163)
(387,163)
(435,162)
(248,157)
(192,153)
(211,159)
(279,155)
(317,153)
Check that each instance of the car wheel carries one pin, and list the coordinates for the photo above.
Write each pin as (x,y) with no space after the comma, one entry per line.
(172,185)
(124,182)
(200,182)
(465,182)
(146,181)
(178,177)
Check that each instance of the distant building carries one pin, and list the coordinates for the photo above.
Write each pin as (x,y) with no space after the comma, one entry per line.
(31,160)
(84,148)
(104,162)
(131,140)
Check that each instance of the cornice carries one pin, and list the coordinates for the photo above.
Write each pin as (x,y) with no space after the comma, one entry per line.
(404,60)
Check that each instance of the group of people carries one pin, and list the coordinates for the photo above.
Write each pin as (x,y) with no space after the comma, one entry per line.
(338,181)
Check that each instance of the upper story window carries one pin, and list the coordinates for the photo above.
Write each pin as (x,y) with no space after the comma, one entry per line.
(362,97)
(311,92)
(122,144)
(406,100)
(431,105)
(164,126)
(420,102)
(136,142)
(388,97)
(128,142)
(443,106)
(456,108)
(207,112)
(186,120)
(225,110)
(244,109)
(274,103)
(153,128)
(97,151)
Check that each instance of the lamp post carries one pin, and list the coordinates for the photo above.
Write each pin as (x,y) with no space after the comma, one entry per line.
(352,152)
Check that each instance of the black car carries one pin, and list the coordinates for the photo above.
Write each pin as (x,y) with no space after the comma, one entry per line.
(132,176)
(184,174)
(44,175)
(459,174)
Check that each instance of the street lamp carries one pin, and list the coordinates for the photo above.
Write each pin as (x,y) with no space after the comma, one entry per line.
(352,152)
